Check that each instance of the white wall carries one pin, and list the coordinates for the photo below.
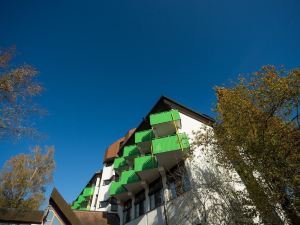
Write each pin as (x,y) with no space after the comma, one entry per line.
(202,168)
(95,195)
(103,191)
(153,217)
(181,206)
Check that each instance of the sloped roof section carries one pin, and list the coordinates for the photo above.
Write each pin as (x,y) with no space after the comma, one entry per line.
(11,216)
(96,218)
(113,150)
(63,209)
(164,104)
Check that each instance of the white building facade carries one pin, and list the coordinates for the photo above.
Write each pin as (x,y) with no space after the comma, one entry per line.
(151,176)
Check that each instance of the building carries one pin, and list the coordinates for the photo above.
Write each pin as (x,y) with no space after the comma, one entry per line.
(88,197)
(58,212)
(147,178)
(152,176)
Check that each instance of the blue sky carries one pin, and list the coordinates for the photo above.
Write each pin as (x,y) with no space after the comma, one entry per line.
(105,63)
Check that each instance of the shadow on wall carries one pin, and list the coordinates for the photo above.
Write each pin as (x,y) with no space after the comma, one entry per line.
(212,200)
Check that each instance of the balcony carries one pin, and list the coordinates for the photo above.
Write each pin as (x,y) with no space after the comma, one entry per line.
(165,123)
(88,191)
(131,181)
(117,189)
(75,205)
(85,208)
(80,199)
(170,150)
(143,140)
(131,151)
(129,177)
(147,168)
(119,163)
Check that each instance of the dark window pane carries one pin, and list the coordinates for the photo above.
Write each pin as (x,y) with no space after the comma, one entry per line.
(103,204)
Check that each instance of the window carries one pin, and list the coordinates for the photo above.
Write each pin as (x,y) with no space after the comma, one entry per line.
(156,194)
(114,207)
(103,204)
(52,218)
(178,181)
(116,177)
(126,211)
(107,164)
(139,204)
(186,182)
(106,182)
(172,189)
(114,204)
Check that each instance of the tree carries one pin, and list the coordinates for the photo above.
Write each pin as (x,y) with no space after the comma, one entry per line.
(18,86)
(257,133)
(24,177)
(211,196)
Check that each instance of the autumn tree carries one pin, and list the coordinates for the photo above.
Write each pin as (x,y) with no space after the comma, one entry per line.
(257,133)
(18,85)
(24,177)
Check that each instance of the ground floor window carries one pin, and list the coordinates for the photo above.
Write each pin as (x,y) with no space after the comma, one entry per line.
(178,181)
(140,204)
(126,212)
(103,204)
(114,204)
(156,194)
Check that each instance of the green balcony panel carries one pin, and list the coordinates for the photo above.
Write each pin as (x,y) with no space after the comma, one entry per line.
(75,205)
(144,163)
(84,209)
(170,143)
(128,177)
(164,117)
(88,191)
(131,151)
(116,188)
(80,199)
(119,163)
(143,136)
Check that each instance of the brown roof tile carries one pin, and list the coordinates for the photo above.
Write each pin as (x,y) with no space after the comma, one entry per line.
(96,218)
(113,150)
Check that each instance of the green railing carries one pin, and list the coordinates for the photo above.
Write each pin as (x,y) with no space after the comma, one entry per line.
(88,191)
(164,117)
(116,187)
(144,163)
(130,151)
(170,143)
(144,136)
(119,163)
(85,208)
(75,205)
(80,198)
(129,176)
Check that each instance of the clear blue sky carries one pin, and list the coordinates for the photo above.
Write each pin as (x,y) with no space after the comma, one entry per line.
(105,63)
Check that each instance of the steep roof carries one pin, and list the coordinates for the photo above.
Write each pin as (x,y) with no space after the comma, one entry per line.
(63,209)
(164,104)
(113,150)
(11,216)
(96,218)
